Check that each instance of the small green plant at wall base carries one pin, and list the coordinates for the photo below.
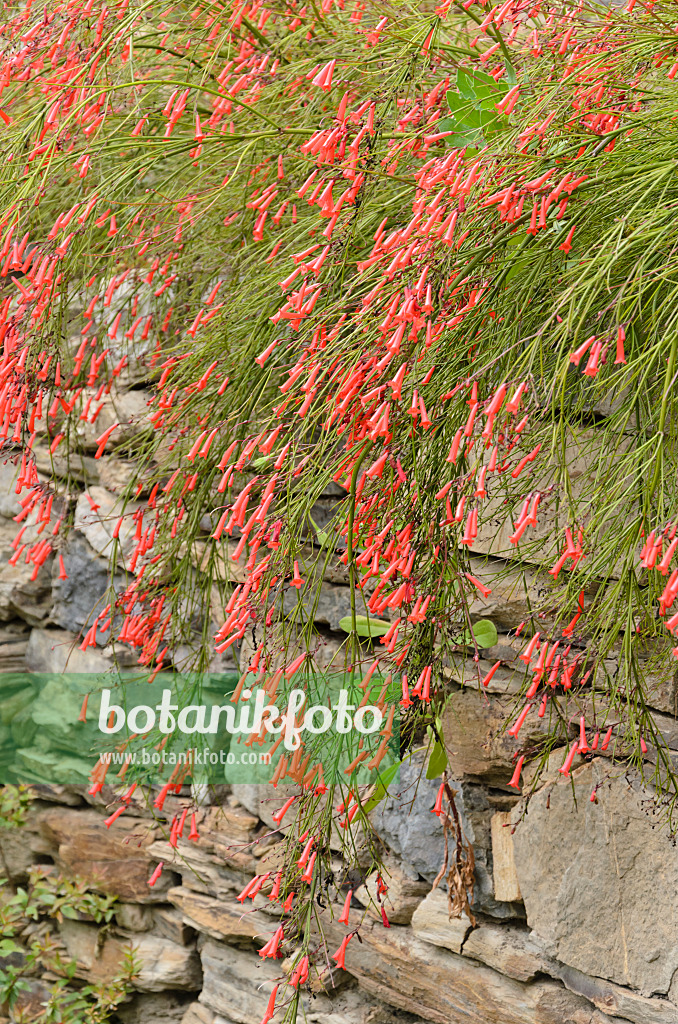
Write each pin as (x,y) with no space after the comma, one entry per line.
(31,950)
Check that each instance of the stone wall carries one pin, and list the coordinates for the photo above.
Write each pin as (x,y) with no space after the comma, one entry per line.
(575,902)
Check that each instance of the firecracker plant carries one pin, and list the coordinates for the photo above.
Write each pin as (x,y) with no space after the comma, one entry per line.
(427,255)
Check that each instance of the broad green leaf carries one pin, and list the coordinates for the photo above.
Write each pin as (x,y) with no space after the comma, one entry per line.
(365,626)
(481,78)
(485,633)
(454,101)
(465,85)
(385,779)
(437,762)
(491,122)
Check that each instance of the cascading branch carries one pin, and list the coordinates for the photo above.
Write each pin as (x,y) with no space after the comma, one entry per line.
(427,254)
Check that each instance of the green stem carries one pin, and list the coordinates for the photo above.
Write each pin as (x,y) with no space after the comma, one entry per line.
(349,548)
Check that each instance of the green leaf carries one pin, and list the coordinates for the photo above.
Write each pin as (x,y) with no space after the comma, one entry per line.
(491,122)
(484,634)
(481,78)
(385,779)
(465,85)
(365,626)
(437,762)
(456,104)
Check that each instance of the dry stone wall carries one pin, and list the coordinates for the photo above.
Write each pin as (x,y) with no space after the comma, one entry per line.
(575,902)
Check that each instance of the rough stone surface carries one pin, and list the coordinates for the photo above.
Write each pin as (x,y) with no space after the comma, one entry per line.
(221,919)
(511,951)
(329,604)
(133,917)
(505,877)
(437,985)
(432,923)
(57,650)
(236,984)
(198,1013)
(615,999)
(476,739)
(162,964)
(590,874)
(128,409)
(601,941)
(78,599)
(9,499)
(97,519)
(20,595)
(404,821)
(154,1008)
(403,896)
(83,846)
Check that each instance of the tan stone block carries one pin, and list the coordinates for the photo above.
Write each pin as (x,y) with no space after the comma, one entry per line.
(506,886)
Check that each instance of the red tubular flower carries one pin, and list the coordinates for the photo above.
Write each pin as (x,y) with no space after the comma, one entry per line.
(454,450)
(526,656)
(193,834)
(295,665)
(270,950)
(82,717)
(306,853)
(518,724)
(297,580)
(514,404)
(159,801)
(437,808)
(583,746)
(490,675)
(241,897)
(606,740)
(621,338)
(340,955)
(578,354)
(275,891)
(156,874)
(114,817)
(387,923)
(343,917)
(270,1009)
(567,244)
(485,591)
(515,778)
(567,764)
(471,529)
(300,973)
(308,873)
(280,814)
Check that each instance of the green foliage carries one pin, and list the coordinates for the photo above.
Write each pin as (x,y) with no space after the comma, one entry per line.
(437,762)
(14,804)
(29,952)
(483,634)
(365,626)
(472,104)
